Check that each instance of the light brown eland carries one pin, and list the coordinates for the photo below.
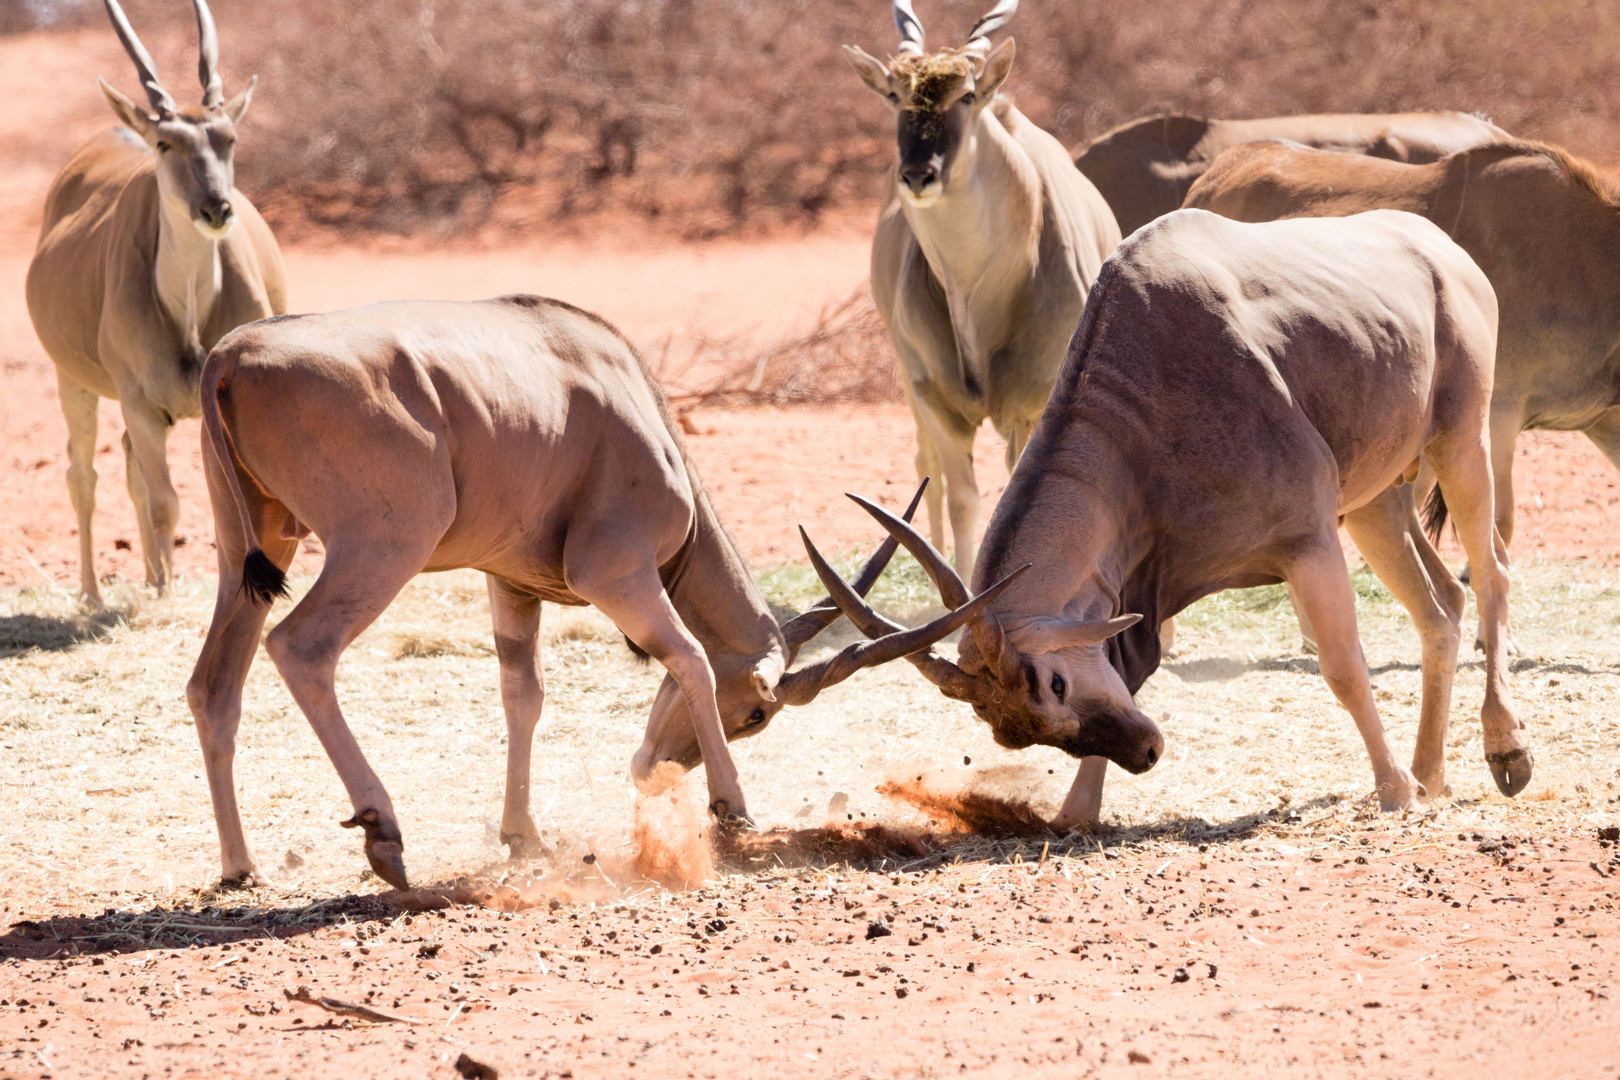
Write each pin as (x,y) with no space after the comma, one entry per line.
(985,248)
(147,257)
(1234,393)
(519,436)
(1145,167)
(1543,225)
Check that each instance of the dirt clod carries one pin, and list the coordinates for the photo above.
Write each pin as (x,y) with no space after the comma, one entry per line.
(473,1069)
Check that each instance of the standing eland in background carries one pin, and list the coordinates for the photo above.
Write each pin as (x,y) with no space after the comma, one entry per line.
(1234,392)
(984,252)
(1144,168)
(1543,225)
(147,257)
(518,436)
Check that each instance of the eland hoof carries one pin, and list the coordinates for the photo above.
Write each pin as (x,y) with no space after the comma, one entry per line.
(384,848)
(523,846)
(246,880)
(731,822)
(1511,770)
(1401,792)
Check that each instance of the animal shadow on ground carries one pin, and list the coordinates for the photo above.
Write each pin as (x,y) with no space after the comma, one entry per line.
(121,932)
(1223,668)
(53,633)
(1003,831)
(1554,667)
(981,827)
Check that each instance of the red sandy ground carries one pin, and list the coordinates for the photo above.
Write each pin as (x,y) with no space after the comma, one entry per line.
(1388,952)
(1429,959)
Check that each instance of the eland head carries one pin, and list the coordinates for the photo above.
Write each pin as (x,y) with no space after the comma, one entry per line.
(1033,679)
(195,145)
(752,688)
(936,96)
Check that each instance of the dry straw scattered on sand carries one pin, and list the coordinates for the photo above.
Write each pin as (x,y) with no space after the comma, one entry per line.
(101,786)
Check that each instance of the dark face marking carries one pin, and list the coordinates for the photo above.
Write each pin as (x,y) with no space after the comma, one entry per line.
(929,140)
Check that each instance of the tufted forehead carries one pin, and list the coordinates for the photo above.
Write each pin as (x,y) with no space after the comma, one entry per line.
(927,82)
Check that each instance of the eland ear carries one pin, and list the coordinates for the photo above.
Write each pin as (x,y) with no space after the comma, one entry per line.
(132,117)
(1048,635)
(764,686)
(873,72)
(238,105)
(766,674)
(997,66)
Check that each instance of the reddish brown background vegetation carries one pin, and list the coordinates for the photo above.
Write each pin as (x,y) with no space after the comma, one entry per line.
(711,116)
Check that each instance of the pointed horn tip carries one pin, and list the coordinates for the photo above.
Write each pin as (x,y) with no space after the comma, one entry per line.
(1001,586)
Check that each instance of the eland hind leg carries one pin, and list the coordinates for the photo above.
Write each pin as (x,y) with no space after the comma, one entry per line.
(1321,582)
(214,691)
(79,407)
(1463,468)
(516,616)
(363,573)
(1390,537)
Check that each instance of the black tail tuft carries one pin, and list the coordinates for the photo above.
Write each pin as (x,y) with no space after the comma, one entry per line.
(642,656)
(1434,514)
(262,579)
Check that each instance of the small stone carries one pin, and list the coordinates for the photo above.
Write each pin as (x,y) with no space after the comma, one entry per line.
(1136,1057)
(877,928)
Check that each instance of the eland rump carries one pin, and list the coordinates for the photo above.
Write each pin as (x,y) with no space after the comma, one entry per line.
(984,251)
(519,436)
(1233,393)
(148,256)
(1145,167)
(1543,225)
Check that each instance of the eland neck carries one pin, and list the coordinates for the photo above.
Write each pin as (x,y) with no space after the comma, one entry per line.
(1069,510)
(981,236)
(716,595)
(188,272)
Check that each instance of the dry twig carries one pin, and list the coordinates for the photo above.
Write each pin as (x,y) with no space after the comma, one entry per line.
(304,996)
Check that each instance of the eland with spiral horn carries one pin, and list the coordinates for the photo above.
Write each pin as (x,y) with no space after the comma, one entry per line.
(148,256)
(985,249)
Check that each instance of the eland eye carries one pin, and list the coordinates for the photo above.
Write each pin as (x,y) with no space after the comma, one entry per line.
(1059,687)
(969,98)
(163,147)
(756,717)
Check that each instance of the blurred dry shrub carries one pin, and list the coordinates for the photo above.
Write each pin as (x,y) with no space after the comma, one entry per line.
(712,116)
(702,114)
(832,362)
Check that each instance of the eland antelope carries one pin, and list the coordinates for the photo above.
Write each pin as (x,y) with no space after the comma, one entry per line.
(1232,393)
(147,257)
(984,252)
(1145,167)
(518,436)
(1542,224)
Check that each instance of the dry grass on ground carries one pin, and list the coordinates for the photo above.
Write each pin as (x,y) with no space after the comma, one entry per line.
(101,787)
